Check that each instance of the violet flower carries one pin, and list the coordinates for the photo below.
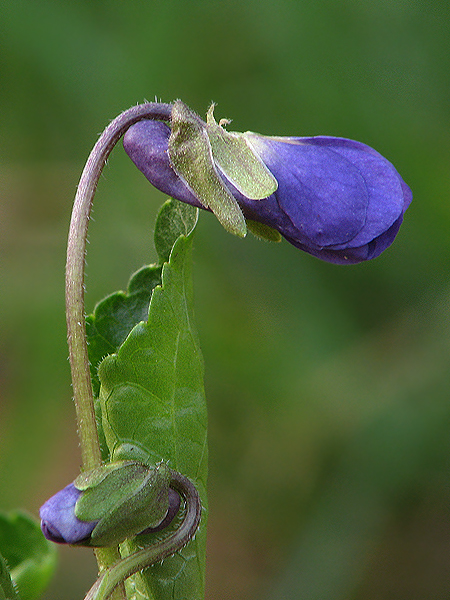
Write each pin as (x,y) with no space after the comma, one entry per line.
(336,199)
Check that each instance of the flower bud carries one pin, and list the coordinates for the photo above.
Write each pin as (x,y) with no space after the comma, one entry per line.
(334,198)
(105,506)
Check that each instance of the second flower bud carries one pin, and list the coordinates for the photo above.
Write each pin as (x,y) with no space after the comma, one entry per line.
(105,506)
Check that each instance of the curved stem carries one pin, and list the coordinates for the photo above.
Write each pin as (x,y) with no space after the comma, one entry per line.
(76,248)
(75,313)
(115,575)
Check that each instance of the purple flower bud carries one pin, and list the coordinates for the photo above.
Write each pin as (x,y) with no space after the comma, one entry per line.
(60,525)
(58,521)
(337,199)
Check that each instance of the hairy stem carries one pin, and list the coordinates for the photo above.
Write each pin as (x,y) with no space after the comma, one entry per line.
(75,313)
(116,575)
(76,248)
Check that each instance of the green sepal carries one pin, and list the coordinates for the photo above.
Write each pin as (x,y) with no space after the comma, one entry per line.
(263,232)
(238,161)
(125,500)
(191,157)
(118,473)
(30,557)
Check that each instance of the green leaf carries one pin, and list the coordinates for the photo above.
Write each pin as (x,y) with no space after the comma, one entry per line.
(112,320)
(7,589)
(174,219)
(30,557)
(238,161)
(191,157)
(154,409)
(116,315)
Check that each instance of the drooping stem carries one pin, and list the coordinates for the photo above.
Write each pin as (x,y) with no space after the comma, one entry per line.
(76,248)
(116,575)
(75,312)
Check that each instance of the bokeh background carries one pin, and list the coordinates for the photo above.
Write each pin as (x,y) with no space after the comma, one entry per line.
(328,386)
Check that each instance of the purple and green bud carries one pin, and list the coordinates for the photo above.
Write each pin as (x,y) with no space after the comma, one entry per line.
(334,198)
(105,506)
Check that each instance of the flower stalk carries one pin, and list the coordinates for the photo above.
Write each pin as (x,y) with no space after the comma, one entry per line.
(76,249)
(75,311)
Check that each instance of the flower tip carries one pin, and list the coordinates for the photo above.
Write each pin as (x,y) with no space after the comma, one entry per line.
(58,521)
(51,533)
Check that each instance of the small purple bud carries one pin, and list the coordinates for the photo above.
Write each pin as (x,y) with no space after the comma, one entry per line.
(60,525)
(58,521)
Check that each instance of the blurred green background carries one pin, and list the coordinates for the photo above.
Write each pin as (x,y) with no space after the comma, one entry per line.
(328,386)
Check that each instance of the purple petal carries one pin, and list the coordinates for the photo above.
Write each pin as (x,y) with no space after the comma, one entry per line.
(146,144)
(339,192)
(58,521)
(321,192)
(388,195)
